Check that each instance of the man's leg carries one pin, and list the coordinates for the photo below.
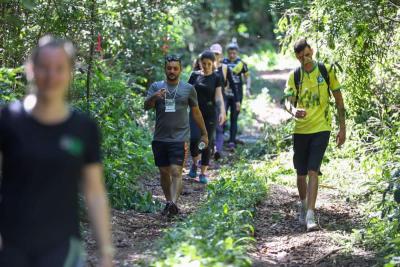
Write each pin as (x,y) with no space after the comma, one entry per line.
(312,190)
(176,185)
(160,151)
(166,182)
(317,147)
(302,187)
(300,157)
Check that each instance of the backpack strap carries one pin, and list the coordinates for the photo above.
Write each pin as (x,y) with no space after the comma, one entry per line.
(297,77)
(325,75)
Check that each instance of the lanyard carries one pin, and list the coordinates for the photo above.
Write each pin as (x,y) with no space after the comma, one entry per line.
(174,91)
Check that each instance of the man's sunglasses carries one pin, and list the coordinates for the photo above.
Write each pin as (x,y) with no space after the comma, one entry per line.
(173,58)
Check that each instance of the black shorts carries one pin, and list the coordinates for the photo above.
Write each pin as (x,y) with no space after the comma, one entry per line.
(169,153)
(309,150)
(68,253)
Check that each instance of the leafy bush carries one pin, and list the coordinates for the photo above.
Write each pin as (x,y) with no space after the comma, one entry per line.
(118,108)
(11,84)
(219,232)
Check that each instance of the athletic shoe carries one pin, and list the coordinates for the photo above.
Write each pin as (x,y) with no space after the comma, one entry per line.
(203,179)
(166,209)
(193,171)
(217,156)
(302,212)
(310,221)
(173,209)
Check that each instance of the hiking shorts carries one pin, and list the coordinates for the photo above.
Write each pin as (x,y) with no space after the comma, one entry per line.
(169,153)
(309,150)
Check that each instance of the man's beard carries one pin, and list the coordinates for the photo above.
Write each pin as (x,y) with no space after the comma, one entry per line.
(172,78)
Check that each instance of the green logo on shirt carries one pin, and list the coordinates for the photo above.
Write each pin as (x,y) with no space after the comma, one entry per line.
(72,145)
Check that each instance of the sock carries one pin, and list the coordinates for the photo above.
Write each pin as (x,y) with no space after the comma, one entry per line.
(304,203)
(310,213)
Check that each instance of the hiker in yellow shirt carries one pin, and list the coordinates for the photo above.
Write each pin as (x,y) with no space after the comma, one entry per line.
(307,93)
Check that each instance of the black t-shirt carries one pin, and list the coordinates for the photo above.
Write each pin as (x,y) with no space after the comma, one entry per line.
(41,173)
(206,89)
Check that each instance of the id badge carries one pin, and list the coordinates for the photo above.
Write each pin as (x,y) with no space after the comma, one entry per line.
(170,105)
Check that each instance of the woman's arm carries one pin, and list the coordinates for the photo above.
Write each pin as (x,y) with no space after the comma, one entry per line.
(99,211)
(219,100)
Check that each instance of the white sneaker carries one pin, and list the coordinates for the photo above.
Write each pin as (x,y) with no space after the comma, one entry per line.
(310,221)
(302,211)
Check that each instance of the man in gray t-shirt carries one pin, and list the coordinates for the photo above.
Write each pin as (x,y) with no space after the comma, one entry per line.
(172,99)
(173,126)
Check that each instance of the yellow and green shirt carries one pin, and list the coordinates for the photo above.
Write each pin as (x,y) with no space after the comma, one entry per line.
(314,98)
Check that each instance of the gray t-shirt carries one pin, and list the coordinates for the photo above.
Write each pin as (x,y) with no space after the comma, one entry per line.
(173,126)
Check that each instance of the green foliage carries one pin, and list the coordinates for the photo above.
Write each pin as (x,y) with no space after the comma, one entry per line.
(118,108)
(134,33)
(221,229)
(11,84)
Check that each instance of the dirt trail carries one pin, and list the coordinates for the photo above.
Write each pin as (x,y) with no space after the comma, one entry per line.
(282,241)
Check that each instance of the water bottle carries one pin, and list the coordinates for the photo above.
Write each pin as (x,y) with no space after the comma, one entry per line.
(202,145)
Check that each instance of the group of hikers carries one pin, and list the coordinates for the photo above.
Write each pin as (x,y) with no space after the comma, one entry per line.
(216,85)
(51,152)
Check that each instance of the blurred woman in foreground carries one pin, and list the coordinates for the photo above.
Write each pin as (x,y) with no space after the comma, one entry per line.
(50,153)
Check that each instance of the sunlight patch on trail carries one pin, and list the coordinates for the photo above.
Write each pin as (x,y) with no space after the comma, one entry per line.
(266,111)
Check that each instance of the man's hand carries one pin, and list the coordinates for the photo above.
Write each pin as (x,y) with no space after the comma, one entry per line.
(238,106)
(341,137)
(300,113)
(160,94)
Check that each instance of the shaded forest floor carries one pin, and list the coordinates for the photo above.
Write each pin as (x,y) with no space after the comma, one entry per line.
(280,239)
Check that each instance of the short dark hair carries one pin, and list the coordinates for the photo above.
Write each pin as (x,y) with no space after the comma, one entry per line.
(173,58)
(300,45)
(49,41)
(207,55)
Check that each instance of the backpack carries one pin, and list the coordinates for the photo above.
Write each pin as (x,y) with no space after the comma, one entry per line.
(297,81)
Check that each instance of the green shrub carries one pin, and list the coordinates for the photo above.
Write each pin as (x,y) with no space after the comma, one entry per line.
(220,231)
(118,108)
